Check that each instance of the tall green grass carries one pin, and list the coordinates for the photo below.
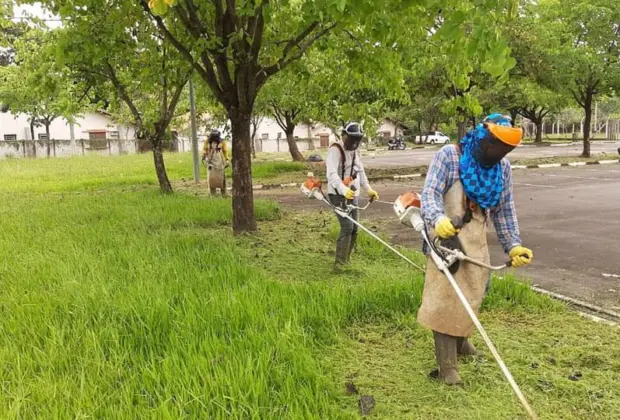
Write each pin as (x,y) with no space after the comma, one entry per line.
(100,172)
(132,304)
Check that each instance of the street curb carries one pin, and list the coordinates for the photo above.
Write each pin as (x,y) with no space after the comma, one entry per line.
(422,175)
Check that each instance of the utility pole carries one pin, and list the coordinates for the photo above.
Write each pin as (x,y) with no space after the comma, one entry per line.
(192,108)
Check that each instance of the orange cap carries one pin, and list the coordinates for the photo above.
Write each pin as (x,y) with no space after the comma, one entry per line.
(509,135)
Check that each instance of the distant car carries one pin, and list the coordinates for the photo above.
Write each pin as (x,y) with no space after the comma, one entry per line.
(433,137)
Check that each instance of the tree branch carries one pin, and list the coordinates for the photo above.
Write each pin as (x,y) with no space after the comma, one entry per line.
(175,98)
(265,72)
(207,73)
(257,33)
(192,16)
(122,92)
(579,100)
(278,115)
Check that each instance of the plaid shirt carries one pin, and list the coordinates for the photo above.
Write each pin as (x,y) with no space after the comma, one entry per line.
(444,172)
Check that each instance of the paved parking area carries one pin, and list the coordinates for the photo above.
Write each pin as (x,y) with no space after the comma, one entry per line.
(570,217)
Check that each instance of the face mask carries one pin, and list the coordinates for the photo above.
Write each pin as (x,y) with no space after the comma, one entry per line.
(491,151)
(351,142)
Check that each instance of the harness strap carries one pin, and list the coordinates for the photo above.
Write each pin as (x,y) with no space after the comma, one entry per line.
(343,162)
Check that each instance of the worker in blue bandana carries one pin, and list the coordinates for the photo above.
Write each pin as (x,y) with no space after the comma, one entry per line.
(471,182)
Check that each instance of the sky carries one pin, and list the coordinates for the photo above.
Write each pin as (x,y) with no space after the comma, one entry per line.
(37,11)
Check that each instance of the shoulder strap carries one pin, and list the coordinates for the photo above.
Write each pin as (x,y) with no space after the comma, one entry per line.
(342,159)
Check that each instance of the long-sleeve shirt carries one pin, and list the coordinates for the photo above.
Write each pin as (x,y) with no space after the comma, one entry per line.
(206,148)
(333,162)
(444,172)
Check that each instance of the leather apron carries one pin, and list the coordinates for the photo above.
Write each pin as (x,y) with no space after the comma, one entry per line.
(216,174)
(441,309)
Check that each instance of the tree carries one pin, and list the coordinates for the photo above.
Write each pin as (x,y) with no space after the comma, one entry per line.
(136,64)
(235,47)
(37,86)
(286,97)
(584,39)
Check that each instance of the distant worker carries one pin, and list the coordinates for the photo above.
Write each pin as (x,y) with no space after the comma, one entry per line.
(470,181)
(214,144)
(345,176)
(215,154)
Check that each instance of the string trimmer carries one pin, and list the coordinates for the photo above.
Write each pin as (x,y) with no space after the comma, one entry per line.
(312,189)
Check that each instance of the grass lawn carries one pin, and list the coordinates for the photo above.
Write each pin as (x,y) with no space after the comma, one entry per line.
(120,302)
(98,172)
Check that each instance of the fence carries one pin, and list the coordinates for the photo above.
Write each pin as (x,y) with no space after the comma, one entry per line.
(80,147)
(607,129)
(281,145)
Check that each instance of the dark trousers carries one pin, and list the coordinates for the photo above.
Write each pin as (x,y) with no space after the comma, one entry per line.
(348,230)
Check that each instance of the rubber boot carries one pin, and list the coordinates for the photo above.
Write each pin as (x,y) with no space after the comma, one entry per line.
(445,351)
(343,248)
(223,190)
(351,246)
(464,348)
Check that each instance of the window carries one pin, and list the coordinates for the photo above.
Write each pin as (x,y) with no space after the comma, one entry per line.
(324,140)
(279,136)
(265,136)
(387,135)
(10,137)
(42,136)
(97,139)
(114,134)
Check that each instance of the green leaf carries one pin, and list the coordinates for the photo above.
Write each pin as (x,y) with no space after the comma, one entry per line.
(341,5)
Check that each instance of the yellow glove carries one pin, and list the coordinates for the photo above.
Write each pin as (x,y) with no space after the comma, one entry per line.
(372,194)
(445,229)
(349,194)
(521,256)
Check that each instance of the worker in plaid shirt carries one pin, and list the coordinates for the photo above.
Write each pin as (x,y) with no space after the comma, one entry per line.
(469,181)
(441,176)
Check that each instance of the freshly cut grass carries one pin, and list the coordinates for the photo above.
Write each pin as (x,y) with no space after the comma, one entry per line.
(118,303)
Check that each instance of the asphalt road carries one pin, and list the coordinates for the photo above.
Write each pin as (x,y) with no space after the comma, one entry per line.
(568,216)
(397,159)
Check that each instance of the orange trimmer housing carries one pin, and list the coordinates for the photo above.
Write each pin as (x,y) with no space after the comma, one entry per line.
(410,199)
(312,183)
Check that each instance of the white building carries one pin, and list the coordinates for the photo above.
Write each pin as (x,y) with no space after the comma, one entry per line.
(270,137)
(98,133)
(390,129)
(93,132)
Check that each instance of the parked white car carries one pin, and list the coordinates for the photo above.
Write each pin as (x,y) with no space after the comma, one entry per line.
(433,137)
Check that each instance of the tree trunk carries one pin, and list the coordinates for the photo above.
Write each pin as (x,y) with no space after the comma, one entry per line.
(254,125)
(32,129)
(539,131)
(242,195)
(292,145)
(513,115)
(587,125)
(310,139)
(160,166)
(48,139)
(461,129)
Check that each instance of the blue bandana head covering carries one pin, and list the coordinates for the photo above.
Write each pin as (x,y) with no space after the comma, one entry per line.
(482,185)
